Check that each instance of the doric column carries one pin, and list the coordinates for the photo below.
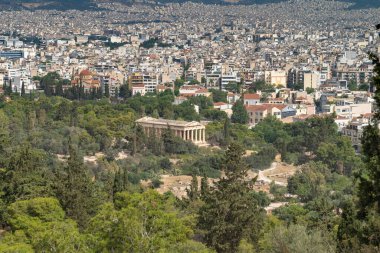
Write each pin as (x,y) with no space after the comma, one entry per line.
(186,135)
(203,135)
(197,135)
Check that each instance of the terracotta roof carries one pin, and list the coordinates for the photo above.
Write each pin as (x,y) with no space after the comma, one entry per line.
(251,96)
(264,107)
(280,107)
(191,87)
(202,91)
(219,103)
(85,72)
(257,108)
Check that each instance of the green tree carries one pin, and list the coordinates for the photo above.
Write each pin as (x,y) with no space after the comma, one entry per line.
(310,90)
(364,87)
(75,189)
(297,239)
(41,223)
(178,83)
(230,210)
(107,90)
(233,87)
(193,192)
(23,89)
(155,114)
(226,130)
(291,214)
(25,176)
(239,113)
(140,222)
(309,181)
(124,91)
(188,247)
(218,95)
(352,85)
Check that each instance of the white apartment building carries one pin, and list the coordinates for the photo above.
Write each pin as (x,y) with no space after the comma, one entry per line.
(225,79)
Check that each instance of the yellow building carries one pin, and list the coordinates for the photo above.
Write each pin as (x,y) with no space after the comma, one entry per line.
(276,77)
(311,80)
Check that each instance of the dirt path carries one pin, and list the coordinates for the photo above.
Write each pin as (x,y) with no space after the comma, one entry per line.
(264,178)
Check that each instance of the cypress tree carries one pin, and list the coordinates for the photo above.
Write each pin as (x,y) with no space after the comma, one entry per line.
(125,179)
(204,186)
(192,193)
(106,90)
(22,89)
(230,209)
(239,113)
(116,92)
(226,130)
(117,183)
(75,189)
(59,89)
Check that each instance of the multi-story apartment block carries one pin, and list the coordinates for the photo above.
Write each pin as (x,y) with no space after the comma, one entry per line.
(354,131)
(148,80)
(276,77)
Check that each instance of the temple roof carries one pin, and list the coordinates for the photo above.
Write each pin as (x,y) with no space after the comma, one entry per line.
(150,120)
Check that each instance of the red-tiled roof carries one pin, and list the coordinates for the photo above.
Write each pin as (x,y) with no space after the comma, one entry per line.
(256,108)
(191,87)
(85,72)
(264,107)
(251,96)
(202,91)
